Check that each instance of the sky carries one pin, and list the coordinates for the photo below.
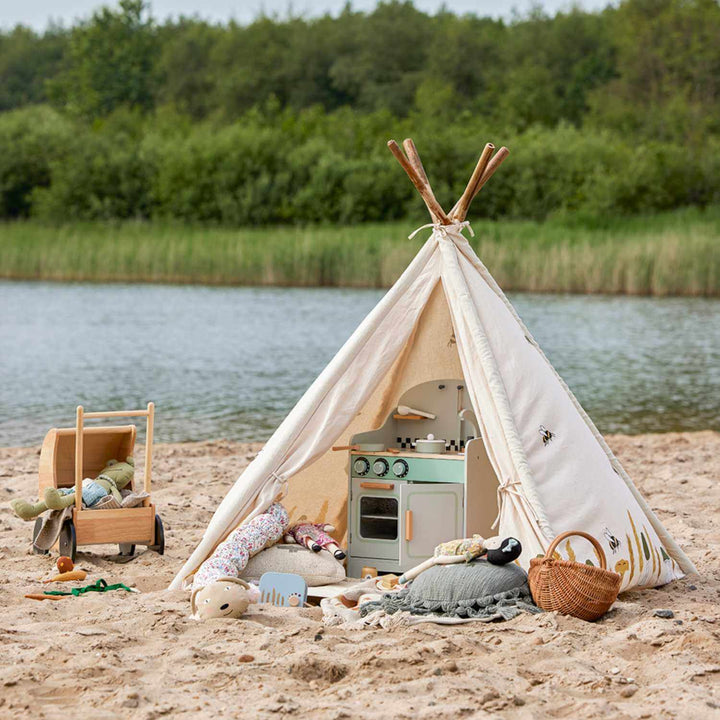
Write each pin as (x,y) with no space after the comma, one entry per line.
(37,13)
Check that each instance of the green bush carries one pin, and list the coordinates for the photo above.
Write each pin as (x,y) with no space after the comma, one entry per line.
(277,167)
(31,139)
(103,174)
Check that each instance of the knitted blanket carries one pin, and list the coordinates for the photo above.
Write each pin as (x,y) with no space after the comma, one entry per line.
(476,590)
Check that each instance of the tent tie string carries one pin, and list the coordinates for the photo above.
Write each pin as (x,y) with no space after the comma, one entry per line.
(444,230)
(514,487)
(279,486)
(280,483)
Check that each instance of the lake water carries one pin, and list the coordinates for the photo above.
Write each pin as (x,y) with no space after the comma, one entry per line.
(230,362)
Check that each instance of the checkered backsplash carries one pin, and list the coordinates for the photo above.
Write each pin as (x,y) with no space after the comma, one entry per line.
(407,443)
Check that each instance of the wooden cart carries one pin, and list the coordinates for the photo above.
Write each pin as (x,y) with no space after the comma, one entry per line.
(94,446)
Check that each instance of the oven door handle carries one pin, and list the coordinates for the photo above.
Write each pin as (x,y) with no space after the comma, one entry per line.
(376,486)
(408,525)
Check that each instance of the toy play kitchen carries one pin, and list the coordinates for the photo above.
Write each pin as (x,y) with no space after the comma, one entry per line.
(421,479)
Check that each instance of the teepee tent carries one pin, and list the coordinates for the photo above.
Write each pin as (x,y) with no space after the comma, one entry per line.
(446,317)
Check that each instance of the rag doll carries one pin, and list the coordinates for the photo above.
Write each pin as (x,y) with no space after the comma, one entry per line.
(112,479)
(499,551)
(314,536)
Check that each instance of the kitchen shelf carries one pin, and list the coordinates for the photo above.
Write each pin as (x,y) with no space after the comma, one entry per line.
(409,453)
(409,417)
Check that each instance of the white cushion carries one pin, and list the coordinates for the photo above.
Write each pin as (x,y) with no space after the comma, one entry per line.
(315,568)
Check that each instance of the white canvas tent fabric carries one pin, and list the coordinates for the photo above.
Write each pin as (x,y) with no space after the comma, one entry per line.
(572,481)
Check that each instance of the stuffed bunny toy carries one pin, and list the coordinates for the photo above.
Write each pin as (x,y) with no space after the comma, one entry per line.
(113,478)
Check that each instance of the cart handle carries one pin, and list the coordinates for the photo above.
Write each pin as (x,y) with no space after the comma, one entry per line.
(117,413)
(80,418)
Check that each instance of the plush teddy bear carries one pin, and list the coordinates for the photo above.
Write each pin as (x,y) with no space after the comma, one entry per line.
(227,597)
(314,536)
(112,479)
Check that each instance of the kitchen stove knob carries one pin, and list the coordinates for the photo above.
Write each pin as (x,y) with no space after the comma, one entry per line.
(361,466)
(400,468)
(380,467)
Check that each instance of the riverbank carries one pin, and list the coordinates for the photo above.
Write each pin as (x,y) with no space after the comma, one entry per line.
(674,253)
(140,656)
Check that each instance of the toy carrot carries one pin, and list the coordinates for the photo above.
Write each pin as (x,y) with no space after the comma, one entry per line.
(39,596)
(67,576)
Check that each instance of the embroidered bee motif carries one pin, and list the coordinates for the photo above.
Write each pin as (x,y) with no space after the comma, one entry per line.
(546,435)
(612,540)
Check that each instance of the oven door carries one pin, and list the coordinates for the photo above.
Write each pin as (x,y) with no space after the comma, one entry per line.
(430,514)
(375,519)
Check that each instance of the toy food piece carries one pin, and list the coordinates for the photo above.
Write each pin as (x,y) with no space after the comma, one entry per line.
(387,582)
(68,576)
(225,598)
(40,596)
(65,564)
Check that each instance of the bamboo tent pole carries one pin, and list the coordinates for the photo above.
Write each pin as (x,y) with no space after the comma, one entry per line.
(462,205)
(492,166)
(433,205)
(414,157)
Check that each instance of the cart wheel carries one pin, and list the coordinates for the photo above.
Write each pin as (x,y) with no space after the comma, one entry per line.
(67,540)
(127,548)
(159,546)
(36,532)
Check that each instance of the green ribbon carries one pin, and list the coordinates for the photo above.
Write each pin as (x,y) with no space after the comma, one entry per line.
(99,586)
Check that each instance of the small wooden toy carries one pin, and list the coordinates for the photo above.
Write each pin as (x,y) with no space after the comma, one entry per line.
(70,454)
(283,589)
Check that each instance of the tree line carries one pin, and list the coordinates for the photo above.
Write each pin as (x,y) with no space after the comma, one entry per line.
(285,119)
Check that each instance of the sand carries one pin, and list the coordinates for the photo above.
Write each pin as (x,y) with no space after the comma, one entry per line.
(141,656)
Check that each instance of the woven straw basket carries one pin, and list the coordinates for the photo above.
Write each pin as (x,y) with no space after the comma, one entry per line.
(572,588)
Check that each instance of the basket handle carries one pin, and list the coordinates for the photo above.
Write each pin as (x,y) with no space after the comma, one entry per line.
(589,538)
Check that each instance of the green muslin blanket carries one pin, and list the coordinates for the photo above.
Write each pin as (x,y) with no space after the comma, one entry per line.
(477,590)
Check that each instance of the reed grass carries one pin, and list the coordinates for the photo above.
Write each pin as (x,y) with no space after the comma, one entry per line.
(675,253)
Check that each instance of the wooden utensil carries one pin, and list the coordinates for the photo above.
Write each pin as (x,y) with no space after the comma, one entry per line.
(362,447)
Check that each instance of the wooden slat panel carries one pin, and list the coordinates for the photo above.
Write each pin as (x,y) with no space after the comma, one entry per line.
(128,525)
(48,469)
(100,445)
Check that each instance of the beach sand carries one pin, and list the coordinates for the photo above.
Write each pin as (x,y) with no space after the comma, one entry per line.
(122,655)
